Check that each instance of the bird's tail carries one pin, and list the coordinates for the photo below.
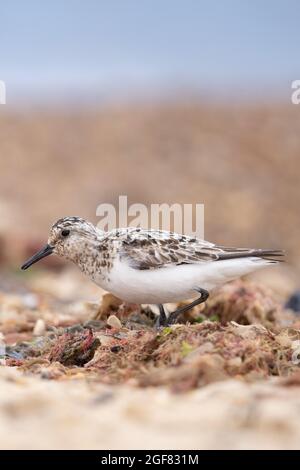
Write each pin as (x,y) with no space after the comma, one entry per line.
(268,255)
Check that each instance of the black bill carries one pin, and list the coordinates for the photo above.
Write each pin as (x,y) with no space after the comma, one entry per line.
(46,251)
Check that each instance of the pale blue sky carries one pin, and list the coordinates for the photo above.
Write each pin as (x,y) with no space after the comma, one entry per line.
(100,48)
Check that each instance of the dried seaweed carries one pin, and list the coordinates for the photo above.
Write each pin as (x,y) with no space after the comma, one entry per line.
(251,337)
(74,348)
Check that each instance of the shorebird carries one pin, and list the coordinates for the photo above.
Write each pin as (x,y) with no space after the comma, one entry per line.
(151,266)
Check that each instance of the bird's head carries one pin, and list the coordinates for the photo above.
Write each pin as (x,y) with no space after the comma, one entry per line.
(69,238)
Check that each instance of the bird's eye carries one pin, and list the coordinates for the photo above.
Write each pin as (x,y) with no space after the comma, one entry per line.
(65,233)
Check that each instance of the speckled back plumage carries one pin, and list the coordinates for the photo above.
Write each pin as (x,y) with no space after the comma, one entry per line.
(152,249)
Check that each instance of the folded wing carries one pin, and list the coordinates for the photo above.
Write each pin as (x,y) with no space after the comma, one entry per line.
(151,249)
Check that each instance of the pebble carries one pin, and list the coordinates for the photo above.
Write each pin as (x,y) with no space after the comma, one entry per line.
(39,328)
(114,322)
(96,325)
(116,348)
(30,301)
(104,339)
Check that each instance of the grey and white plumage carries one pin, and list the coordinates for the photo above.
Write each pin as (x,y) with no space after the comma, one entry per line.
(150,266)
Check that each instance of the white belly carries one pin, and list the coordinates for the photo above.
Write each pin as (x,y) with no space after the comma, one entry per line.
(174,283)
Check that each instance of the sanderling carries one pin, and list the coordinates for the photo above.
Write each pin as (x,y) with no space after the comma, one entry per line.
(151,266)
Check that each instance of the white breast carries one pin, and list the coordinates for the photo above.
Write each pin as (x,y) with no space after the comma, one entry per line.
(174,283)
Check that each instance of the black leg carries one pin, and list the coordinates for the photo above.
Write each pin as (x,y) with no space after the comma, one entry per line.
(174,315)
(162,319)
